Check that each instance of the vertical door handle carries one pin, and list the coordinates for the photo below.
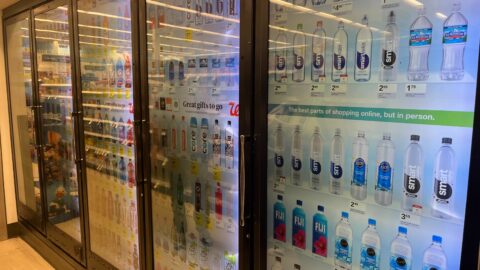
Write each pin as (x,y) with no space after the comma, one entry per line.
(242,180)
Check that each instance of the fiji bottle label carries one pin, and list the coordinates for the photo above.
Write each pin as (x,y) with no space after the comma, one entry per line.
(384,180)
(421,37)
(455,34)
(298,231)
(279,226)
(359,172)
(343,251)
(369,258)
(398,262)
(319,240)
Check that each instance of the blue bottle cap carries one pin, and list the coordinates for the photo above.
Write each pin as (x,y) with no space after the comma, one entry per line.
(372,221)
(320,208)
(280,197)
(402,230)
(436,239)
(344,215)
(299,202)
(204,122)
(193,121)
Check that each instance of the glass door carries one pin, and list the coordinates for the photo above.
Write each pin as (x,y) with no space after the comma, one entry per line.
(23,113)
(193,95)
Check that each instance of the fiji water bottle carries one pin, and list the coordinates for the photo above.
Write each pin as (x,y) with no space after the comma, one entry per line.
(384,170)
(279,158)
(318,53)
(297,156)
(358,188)
(320,233)
(364,52)
(340,49)
(281,57)
(279,220)
(412,175)
(298,226)
(434,257)
(336,163)
(343,243)
(370,251)
(299,44)
(444,182)
(420,42)
(316,154)
(454,39)
(401,251)
(390,44)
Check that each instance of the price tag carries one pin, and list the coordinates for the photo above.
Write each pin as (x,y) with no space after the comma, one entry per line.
(171,90)
(191,90)
(279,184)
(389,3)
(342,7)
(409,219)
(215,91)
(338,89)
(280,16)
(317,90)
(280,89)
(357,207)
(415,90)
(386,90)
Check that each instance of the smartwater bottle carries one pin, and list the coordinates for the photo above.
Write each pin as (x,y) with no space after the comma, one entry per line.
(358,188)
(401,251)
(412,175)
(444,182)
(390,44)
(337,156)
(434,257)
(299,44)
(279,158)
(297,157)
(363,59)
(343,243)
(420,42)
(384,171)
(316,154)
(340,50)
(318,52)
(281,57)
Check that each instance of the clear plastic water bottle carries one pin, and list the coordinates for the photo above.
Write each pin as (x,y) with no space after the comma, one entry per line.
(401,251)
(281,57)
(370,250)
(299,45)
(216,144)
(320,233)
(279,158)
(434,257)
(279,220)
(420,42)
(299,233)
(229,146)
(337,156)
(318,52)
(385,170)
(316,154)
(412,175)
(444,182)
(454,39)
(343,243)
(297,156)
(390,56)
(358,188)
(277,264)
(340,50)
(363,52)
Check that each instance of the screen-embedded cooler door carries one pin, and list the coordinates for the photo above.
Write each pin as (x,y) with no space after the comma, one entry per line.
(370,116)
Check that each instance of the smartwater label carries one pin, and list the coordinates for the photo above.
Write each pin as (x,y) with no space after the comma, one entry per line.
(278,160)
(443,191)
(411,185)
(369,258)
(343,251)
(363,59)
(398,262)
(384,181)
(359,172)
(315,167)
(421,37)
(299,62)
(296,163)
(455,34)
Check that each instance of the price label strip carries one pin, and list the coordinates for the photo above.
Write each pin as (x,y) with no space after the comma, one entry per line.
(338,89)
(317,90)
(386,90)
(342,7)
(357,207)
(409,219)
(415,90)
(280,89)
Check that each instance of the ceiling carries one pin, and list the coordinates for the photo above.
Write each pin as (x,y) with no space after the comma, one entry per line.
(6,3)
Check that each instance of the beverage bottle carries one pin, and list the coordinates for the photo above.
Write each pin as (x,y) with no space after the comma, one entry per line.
(218,203)
(358,188)
(300,2)
(281,57)
(297,156)
(343,243)
(206,244)
(320,233)
(370,251)
(198,14)
(298,226)
(277,264)
(316,157)
(337,154)
(434,257)
(279,157)
(385,170)
(183,135)
(229,146)
(340,50)
(364,52)
(390,46)
(454,39)
(217,143)
(121,130)
(119,73)
(173,135)
(216,71)
(232,8)
(131,173)
(231,70)
(193,136)
(111,77)
(412,175)
(420,42)
(299,44)
(279,220)
(192,70)
(135,257)
(115,175)
(318,53)
(171,72)
(129,132)
(444,182)
(123,170)
(219,8)
(181,73)
(401,251)
(203,71)
(128,73)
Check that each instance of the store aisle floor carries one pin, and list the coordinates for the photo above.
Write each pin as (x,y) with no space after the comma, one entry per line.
(18,255)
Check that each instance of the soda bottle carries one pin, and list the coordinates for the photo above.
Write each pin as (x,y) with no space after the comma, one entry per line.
(181,72)
(299,44)
(129,132)
(358,188)
(370,251)
(217,143)
(173,135)
(279,158)
(390,45)
(420,42)
(281,57)
(434,257)
(318,53)
(171,72)
(123,170)
(279,220)
(343,243)
(229,146)
(316,156)
(128,73)
(412,175)
(454,39)
(216,71)
(385,170)
(119,73)
(198,14)
(320,233)
(401,251)
(444,182)
(131,173)
(337,154)
(121,130)
(297,156)
(364,52)
(340,49)
(218,203)
(277,264)
(298,226)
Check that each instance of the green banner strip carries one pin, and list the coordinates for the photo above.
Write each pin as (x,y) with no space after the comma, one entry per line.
(410,116)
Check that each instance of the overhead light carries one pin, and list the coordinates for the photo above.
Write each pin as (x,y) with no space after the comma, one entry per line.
(104,15)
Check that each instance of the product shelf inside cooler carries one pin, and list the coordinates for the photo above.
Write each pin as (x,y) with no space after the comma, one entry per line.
(103,151)
(108,107)
(110,137)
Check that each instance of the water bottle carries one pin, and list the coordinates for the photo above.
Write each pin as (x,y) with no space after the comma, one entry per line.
(358,188)
(336,163)
(434,257)
(364,52)
(316,154)
(279,158)
(390,44)
(279,220)
(370,251)
(297,156)
(193,136)
(277,265)
(298,226)
(385,171)
(229,146)
(281,57)
(454,39)
(401,251)
(216,145)
(204,137)
(340,50)
(420,42)
(299,44)
(343,243)
(318,53)
(444,182)
(412,175)
(320,233)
